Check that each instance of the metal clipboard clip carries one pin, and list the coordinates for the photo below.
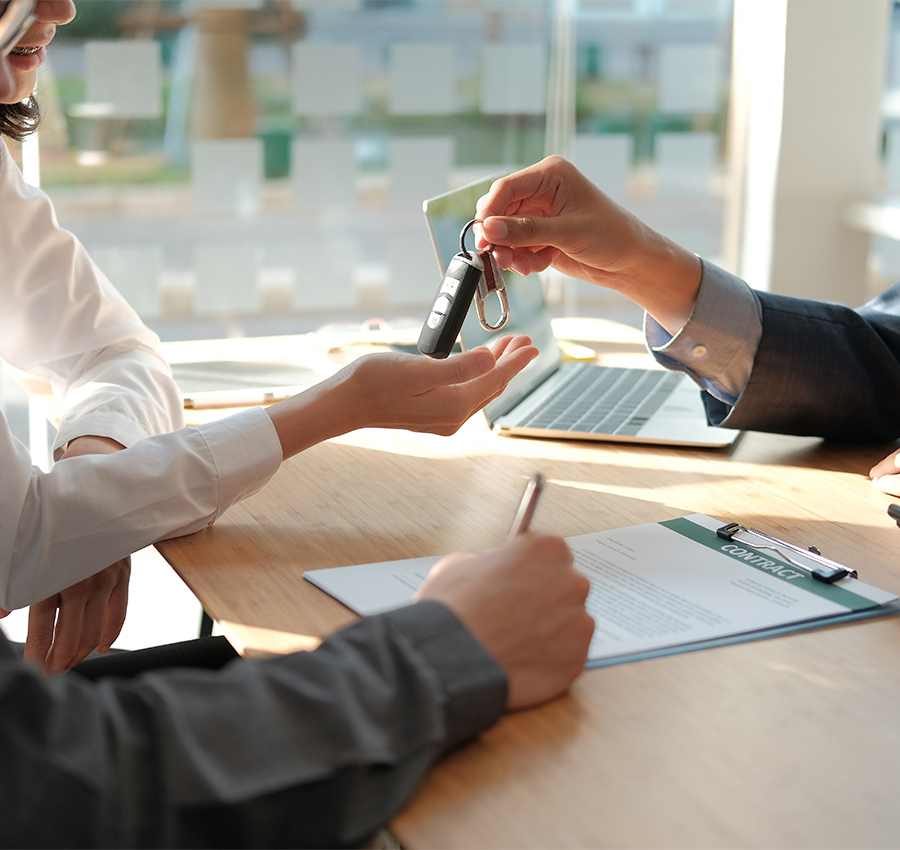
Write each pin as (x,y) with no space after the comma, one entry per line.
(828,571)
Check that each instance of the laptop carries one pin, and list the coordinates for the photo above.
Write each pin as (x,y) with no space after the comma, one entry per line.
(553,398)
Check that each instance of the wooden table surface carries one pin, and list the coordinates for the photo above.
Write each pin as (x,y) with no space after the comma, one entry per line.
(787,742)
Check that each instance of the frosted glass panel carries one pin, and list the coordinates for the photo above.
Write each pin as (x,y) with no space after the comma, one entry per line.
(226,279)
(226,175)
(606,6)
(123,78)
(514,79)
(340,6)
(691,7)
(422,79)
(685,163)
(325,79)
(606,161)
(135,272)
(323,173)
(324,272)
(413,277)
(225,4)
(688,78)
(419,169)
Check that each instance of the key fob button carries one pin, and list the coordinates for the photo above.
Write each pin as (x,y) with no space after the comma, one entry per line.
(450,285)
(434,319)
(442,305)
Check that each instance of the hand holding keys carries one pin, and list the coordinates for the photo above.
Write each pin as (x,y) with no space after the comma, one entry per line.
(471,274)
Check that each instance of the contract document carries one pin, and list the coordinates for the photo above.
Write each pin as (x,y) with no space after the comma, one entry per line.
(659,588)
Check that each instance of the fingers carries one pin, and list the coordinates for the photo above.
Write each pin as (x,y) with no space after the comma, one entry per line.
(482,362)
(116,609)
(525,261)
(41,623)
(508,343)
(485,388)
(889,484)
(463,367)
(534,232)
(527,244)
(537,184)
(64,629)
(505,195)
(889,466)
(885,475)
(72,621)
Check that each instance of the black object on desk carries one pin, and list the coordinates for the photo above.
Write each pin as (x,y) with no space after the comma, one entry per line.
(894,513)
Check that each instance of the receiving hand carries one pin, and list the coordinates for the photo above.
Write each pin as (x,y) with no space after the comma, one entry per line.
(525,603)
(885,475)
(551,215)
(393,390)
(65,628)
(438,396)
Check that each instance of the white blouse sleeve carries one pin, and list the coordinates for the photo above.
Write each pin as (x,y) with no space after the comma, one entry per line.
(62,320)
(58,527)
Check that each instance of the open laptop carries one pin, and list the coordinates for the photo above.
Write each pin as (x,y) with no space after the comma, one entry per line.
(573,399)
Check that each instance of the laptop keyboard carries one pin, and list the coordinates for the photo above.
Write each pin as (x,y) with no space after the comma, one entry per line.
(606,401)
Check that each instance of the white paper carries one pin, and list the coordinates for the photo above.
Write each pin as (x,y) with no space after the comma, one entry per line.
(651,588)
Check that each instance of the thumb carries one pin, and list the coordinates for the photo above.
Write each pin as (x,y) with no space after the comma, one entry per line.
(466,366)
(525,231)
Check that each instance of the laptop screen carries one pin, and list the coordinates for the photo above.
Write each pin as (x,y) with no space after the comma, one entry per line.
(446,216)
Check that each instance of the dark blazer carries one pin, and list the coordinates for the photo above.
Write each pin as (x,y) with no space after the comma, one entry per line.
(822,370)
(315,749)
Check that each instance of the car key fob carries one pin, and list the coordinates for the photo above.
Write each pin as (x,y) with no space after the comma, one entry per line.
(448,311)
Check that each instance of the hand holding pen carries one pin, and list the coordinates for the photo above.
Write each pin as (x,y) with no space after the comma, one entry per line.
(524,602)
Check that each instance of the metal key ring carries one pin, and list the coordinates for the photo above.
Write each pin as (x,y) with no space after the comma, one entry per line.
(462,239)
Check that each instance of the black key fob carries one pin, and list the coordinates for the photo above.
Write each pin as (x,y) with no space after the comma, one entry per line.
(450,305)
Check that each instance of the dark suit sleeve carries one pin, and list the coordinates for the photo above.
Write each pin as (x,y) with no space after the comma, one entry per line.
(315,749)
(822,370)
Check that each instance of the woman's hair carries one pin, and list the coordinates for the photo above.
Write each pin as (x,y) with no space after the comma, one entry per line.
(17,120)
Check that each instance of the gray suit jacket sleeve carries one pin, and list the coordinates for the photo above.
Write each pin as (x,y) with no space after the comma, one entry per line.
(316,749)
(822,370)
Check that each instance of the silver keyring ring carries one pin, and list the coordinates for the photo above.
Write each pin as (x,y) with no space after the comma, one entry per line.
(462,239)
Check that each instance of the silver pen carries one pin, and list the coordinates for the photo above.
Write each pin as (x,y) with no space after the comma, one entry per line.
(528,505)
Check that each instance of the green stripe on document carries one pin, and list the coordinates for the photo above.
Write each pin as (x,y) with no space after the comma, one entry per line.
(831,592)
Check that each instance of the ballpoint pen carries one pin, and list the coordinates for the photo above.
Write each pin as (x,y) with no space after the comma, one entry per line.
(528,505)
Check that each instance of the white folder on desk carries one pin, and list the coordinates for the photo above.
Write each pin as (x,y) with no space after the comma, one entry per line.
(246,371)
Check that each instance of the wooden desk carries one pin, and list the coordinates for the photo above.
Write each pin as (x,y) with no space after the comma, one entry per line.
(790,742)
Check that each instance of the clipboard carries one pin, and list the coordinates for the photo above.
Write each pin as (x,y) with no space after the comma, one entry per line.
(665,588)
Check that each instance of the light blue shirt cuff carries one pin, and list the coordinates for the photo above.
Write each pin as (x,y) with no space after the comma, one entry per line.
(718,345)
